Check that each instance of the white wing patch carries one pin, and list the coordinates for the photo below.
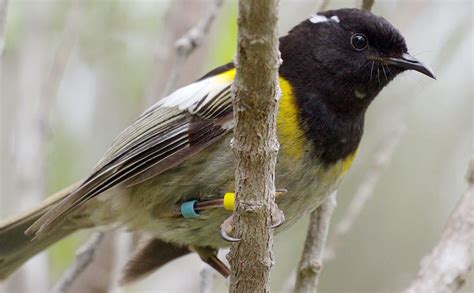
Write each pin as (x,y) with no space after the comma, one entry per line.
(195,95)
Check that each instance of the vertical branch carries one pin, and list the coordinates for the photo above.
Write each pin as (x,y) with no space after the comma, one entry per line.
(310,266)
(51,84)
(189,42)
(3,163)
(323,5)
(207,278)
(120,250)
(256,94)
(367,4)
(179,16)
(3,20)
(4,131)
(380,161)
(446,268)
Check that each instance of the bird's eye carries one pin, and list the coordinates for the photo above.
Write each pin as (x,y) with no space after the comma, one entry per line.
(359,41)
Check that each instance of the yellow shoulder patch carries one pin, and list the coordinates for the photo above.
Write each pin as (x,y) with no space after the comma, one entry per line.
(290,135)
(227,76)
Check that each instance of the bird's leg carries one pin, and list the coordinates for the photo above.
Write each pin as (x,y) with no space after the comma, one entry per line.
(280,193)
(175,211)
(227,227)
(209,256)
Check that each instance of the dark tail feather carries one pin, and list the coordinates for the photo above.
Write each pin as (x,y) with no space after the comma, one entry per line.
(151,256)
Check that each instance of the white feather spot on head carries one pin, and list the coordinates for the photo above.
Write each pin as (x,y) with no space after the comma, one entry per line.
(318,18)
(321,18)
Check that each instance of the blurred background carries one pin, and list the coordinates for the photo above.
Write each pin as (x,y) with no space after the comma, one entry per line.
(76,73)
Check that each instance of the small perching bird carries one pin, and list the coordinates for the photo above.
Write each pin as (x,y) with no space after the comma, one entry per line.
(171,173)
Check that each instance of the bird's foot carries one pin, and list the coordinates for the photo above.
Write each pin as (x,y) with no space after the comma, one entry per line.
(278,218)
(227,227)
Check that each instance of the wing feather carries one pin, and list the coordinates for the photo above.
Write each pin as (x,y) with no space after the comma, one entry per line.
(174,129)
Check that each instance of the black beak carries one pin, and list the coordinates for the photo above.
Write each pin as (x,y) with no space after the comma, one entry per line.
(409,62)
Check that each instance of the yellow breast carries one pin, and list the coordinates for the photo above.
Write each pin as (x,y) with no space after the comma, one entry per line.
(290,135)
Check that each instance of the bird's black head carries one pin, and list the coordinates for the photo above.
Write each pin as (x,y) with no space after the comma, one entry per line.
(346,57)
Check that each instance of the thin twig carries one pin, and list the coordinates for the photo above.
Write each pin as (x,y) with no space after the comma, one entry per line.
(324,5)
(365,191)
(121,249)
(3,20)
(189,42)
(367,4)
(162,51)
(310,266)
(207,280)
(3,161)
(307,277)
(84,257)
(446,268)
(67,42)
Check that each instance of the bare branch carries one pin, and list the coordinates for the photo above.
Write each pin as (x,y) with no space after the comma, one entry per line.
(189,42)
(323,5)
(446,268)
(67,42)
(3,20)
(367,4)
(310,266)
(84,257)
(207,278)
(256,93)
(365,191)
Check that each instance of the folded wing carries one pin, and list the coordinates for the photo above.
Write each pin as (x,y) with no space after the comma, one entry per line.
(174,129)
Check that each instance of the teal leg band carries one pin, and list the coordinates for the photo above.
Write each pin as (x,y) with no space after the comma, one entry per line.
(187,209)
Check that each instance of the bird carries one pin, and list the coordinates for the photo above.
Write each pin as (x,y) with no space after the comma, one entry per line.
(170,174)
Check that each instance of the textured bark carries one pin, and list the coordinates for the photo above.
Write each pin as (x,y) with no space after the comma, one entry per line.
(446,268)
(255,144)
(310,266)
